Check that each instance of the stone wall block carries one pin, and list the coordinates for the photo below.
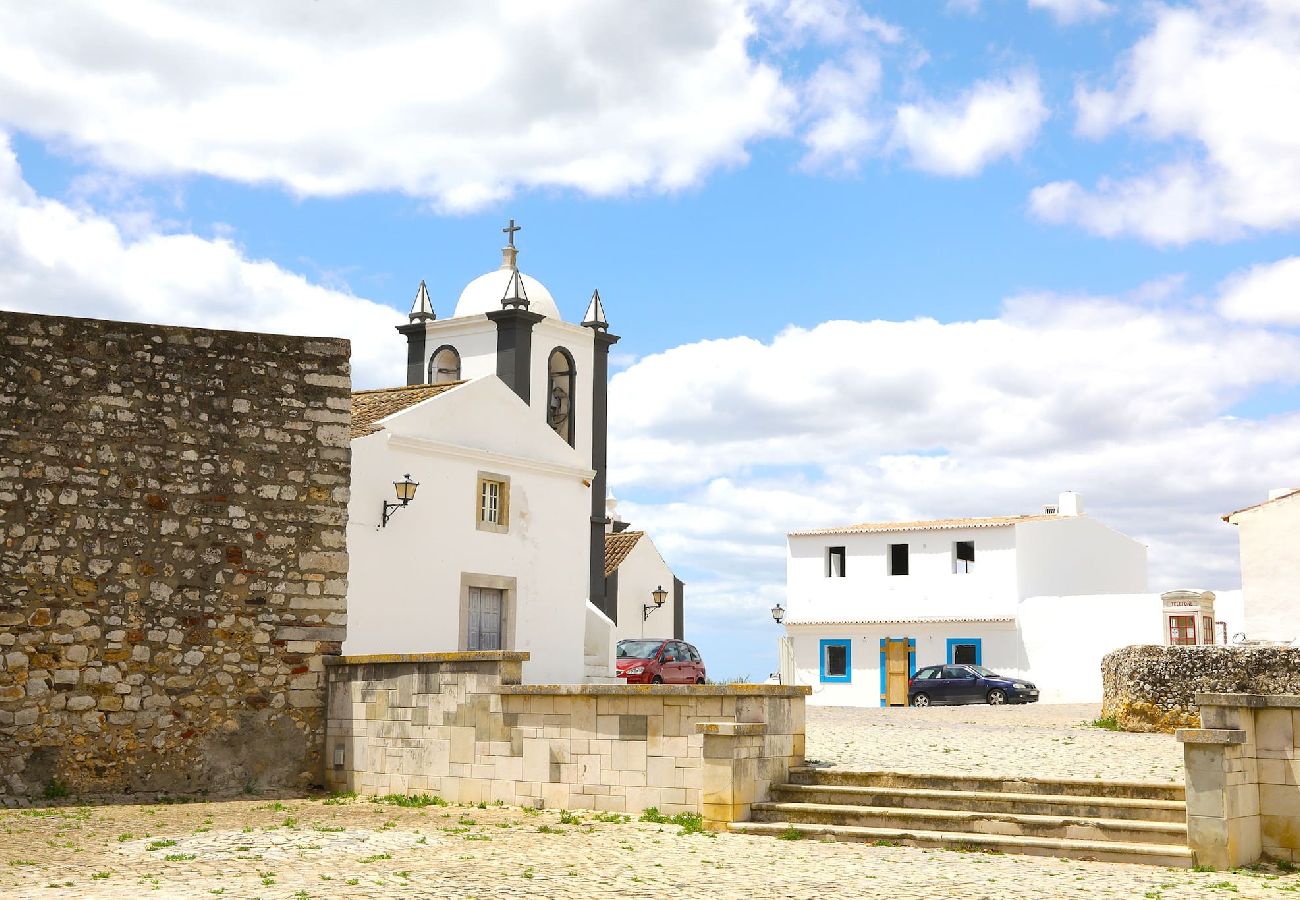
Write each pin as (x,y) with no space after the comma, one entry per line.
(180,470)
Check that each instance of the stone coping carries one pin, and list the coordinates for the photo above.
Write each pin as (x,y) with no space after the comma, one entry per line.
(657,690)
(1283,701)
(732,729)
(1210,736)
(396,658)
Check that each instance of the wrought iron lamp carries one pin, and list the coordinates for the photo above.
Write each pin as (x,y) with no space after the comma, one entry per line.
(659,595)
(778,613)
(405,494)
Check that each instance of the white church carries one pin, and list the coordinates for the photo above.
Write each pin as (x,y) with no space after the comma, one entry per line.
(1040,597)
(498,444)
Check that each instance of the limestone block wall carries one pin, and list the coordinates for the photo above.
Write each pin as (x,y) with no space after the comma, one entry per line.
(1243,779)
(460,725)
(1153,688)
(173,567)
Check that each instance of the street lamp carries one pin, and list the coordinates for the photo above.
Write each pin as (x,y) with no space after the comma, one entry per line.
(778,613)
(405,494)
(659,595)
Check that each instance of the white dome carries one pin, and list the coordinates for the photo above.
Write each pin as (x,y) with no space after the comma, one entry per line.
(484,294)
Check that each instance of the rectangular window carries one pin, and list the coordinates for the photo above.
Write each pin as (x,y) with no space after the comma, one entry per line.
(965,651)
(1207,628)
(485,613)
(493,503)
(897,559)
(836,662)
(834,562)
(1182,630)
(963,557)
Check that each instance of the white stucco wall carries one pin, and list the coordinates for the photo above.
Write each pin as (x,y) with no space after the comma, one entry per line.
(930,589)
(1270,569)
(1065,639)
(640,573)
(405,580)
(1078,555)
(1000,645)
(475,339)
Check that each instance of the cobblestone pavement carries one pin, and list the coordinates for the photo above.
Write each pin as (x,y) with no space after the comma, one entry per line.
(300,848)
(1047,740)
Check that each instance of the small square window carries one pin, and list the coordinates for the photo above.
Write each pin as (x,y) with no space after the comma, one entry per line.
(836,661)
(493,503)
(835,559)
(897,559)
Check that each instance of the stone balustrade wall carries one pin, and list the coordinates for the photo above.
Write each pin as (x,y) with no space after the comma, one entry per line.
(1243,779)
(173,568)
(460,725)
(1154,688)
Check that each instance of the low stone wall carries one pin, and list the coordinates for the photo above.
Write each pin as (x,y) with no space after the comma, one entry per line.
(1151,688)
(1243,779)
(461,725)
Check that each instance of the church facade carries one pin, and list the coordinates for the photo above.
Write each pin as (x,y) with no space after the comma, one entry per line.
(502,425)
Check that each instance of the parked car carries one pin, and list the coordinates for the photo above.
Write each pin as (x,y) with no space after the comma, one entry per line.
(967,684)
(659,661)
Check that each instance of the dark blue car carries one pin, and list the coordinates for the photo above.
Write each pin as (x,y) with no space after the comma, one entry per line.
(967,684)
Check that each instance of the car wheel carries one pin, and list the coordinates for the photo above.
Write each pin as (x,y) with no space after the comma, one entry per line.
(997,697)
(699,681)
(921,700)
(656,680)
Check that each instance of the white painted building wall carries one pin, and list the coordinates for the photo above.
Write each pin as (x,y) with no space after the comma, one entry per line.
(405,581)
(1070,556)
(931,589)
(639,574)
(1270,568)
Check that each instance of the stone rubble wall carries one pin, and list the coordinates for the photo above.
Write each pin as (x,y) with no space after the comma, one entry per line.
(1153,688)
(460,725)
(173,568)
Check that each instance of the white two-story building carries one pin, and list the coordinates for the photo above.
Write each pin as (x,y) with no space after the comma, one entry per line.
(1040,597)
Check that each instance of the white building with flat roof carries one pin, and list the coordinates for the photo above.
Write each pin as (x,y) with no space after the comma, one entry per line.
(1040,597)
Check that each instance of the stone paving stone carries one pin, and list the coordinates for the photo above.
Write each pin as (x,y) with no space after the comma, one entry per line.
(1044,740)
(294,848)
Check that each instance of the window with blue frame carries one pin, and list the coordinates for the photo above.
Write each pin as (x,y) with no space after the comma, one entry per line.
(965,651)
(836,662)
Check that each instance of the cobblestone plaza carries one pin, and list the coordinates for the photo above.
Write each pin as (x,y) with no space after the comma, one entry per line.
(261,846)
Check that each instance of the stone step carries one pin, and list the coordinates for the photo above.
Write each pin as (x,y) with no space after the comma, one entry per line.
(1105,851)
(989,802)
(1124,831)
(1075,787)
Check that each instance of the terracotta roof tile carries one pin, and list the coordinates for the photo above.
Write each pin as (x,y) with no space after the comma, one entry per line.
(930,525)
(617,547)
(369,407)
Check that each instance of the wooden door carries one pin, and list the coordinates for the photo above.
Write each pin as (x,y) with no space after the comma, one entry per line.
(896,674)
(485,614)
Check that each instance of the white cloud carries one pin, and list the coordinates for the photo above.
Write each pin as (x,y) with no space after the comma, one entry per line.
(1219,82)
(461,103)
(990,120)
(735,442)
(1266,294)
(1068,12)
(838,99)
(58,260)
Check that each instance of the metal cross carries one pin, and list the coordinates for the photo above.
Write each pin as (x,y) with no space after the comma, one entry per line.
(510,231)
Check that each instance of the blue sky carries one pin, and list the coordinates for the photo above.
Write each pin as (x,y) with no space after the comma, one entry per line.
(1073,185)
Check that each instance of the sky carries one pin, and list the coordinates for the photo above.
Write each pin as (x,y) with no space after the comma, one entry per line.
(868,261)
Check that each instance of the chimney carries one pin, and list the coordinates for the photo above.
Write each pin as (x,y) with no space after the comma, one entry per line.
(1070,504)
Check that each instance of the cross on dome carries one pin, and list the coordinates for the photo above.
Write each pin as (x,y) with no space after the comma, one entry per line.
(510,232)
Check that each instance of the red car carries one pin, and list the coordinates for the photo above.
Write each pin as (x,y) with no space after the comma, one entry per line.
(659,661)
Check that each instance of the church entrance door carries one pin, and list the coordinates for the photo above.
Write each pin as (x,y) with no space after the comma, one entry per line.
(485,612)
(896,671)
